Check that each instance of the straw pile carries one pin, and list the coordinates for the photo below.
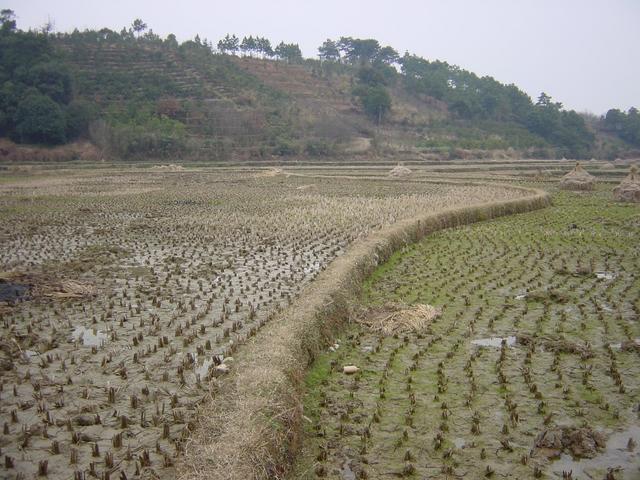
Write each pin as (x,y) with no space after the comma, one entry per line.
(629,188)
(172,167)
(68,289)
(578,179)
(397,318)
(399,171)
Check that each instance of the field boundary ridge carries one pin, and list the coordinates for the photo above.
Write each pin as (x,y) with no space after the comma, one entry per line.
(251,424)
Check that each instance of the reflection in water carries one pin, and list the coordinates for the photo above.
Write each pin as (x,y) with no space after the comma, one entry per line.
(91,337)
(494,341)
(605,275)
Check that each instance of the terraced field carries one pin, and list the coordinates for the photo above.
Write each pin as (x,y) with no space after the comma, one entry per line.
(531,371)
(124,292)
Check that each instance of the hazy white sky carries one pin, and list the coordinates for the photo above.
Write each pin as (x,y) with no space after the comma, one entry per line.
(584,53)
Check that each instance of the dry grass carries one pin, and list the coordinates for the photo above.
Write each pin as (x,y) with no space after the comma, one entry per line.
(68,289)
(251,428)
(397,318)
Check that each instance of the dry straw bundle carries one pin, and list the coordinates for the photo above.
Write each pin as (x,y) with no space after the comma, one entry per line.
(172,167)
(629,188)
(68,289)
(578,179)
(398,318)
(400,171)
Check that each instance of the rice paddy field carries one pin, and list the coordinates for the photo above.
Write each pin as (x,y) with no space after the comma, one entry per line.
(125,292)
(528,365)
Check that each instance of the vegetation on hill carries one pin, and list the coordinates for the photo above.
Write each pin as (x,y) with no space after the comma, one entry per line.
(134,94)
(36,100)
(625,125)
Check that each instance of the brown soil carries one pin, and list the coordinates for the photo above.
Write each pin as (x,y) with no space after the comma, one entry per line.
(580,442)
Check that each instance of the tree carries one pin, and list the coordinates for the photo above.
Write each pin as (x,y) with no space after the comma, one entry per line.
(51,79)
(370,76)
(138,26)
(248,45)
(79,115)
(263,45)
(289,52)
(7,20)
(387,55)
(544,100)
(358,51)
(229,44)
(39,119)
(615,120)
(105,34)
(375,101)
(48,27)
(329,51)
(171,41)
(10,94)
(624,125)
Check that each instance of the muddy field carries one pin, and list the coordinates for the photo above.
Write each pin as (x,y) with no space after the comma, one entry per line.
(528,366)
(124,293)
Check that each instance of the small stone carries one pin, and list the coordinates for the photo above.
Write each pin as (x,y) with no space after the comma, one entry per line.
(350,369)
(222,368)
(85,420)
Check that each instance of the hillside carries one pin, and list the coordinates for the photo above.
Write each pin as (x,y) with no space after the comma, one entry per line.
(138,96)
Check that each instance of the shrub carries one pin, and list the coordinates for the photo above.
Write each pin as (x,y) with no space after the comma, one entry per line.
(39,119)
(285,146)
(375,101)
(79,115)
(318,148)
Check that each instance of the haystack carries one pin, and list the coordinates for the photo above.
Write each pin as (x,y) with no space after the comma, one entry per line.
(629,188)
(395,318)
(399,171)
(578,179)
(172,167)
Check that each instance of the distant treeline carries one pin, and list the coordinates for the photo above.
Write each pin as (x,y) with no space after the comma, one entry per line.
(466,95)
(624,125)
(36,95)
(40,101)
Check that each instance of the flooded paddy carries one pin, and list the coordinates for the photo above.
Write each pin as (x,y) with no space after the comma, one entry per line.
(531,371)
(141,285)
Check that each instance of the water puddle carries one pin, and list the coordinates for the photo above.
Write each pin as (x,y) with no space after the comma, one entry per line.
(495,342)
(89,337)
(617,456)
(605,275)
(346,472)
(460,443)
(618,345)
(13,292)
